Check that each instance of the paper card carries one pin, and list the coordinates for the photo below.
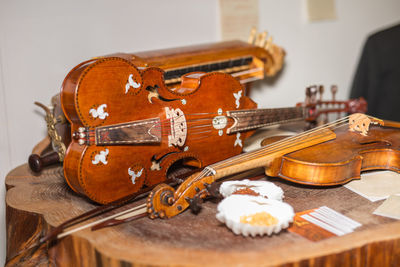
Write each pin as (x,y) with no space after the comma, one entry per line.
(237,18)
(307,229)
(390,208)
(321,10)
(376,185)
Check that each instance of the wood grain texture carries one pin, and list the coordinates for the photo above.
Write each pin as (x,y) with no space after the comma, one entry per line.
(37,203)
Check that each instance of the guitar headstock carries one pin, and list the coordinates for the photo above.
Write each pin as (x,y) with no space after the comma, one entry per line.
(360,123)
(275,53)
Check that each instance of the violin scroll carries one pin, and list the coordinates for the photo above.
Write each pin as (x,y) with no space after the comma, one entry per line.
(165,202)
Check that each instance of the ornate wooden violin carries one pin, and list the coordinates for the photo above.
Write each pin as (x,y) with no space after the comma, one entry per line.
(129,130)
(245,61)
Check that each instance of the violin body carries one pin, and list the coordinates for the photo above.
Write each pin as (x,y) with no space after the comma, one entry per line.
(129,130)
(340,160)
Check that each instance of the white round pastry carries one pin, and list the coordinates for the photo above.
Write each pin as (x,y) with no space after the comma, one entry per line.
(254,215)
(262,188)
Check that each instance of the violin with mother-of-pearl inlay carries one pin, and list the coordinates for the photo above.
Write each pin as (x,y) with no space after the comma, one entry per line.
(247,62)
(129,130)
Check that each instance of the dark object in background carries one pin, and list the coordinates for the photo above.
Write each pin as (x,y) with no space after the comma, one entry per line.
(377,78)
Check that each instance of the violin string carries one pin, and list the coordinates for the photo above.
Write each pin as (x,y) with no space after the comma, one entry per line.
(269,149)
(303,135)
(279,144)
(247,156)
(245,119)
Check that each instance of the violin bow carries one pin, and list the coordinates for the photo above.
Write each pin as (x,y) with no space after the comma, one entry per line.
(58,232)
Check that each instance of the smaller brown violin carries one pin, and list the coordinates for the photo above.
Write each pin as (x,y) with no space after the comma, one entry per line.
(326,155)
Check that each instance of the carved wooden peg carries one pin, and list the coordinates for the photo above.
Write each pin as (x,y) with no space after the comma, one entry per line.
(268,44)
(321,90)
(262,37)
(252,36)
(334,90)
(259,39)
(311,93)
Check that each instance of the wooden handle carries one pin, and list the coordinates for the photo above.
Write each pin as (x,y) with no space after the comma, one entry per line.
(37,163)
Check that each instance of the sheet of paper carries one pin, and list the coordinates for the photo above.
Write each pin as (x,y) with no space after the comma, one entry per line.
(237,18)
(376,185)
(390,208)
(321,10)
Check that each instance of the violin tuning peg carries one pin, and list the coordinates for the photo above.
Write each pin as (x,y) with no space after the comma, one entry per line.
(313,94)
(194,203)
(213,190)
(334,90)
(252,36)
(321,90)
(308,95)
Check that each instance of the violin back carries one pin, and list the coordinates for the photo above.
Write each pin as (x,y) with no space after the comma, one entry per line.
(129,130)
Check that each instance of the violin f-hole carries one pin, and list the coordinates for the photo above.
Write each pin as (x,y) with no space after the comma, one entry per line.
(376,142)
(153,92)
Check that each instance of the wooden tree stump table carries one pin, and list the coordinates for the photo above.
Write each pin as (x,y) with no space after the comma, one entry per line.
(35,204)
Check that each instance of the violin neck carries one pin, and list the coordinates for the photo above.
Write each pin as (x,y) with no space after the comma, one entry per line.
(392,124)
(251,119)
(264,156)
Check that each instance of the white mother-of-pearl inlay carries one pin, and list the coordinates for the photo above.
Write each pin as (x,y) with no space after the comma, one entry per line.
(101,157)
(237,96)
(131,83)
(219,122)
(134,174)
(99,112)
(238,141)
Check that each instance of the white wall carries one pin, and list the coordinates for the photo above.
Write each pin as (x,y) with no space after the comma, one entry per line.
(41,40)
(325,52)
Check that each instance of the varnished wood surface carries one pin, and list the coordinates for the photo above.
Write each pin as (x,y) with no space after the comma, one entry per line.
(37,203)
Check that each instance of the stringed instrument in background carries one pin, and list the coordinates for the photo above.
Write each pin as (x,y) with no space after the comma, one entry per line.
(320,109)
(246,61)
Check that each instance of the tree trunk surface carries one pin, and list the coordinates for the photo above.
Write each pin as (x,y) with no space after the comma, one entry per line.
(37,203)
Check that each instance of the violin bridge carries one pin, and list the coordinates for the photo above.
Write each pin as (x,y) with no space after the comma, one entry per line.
(360,123)
(178,130)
